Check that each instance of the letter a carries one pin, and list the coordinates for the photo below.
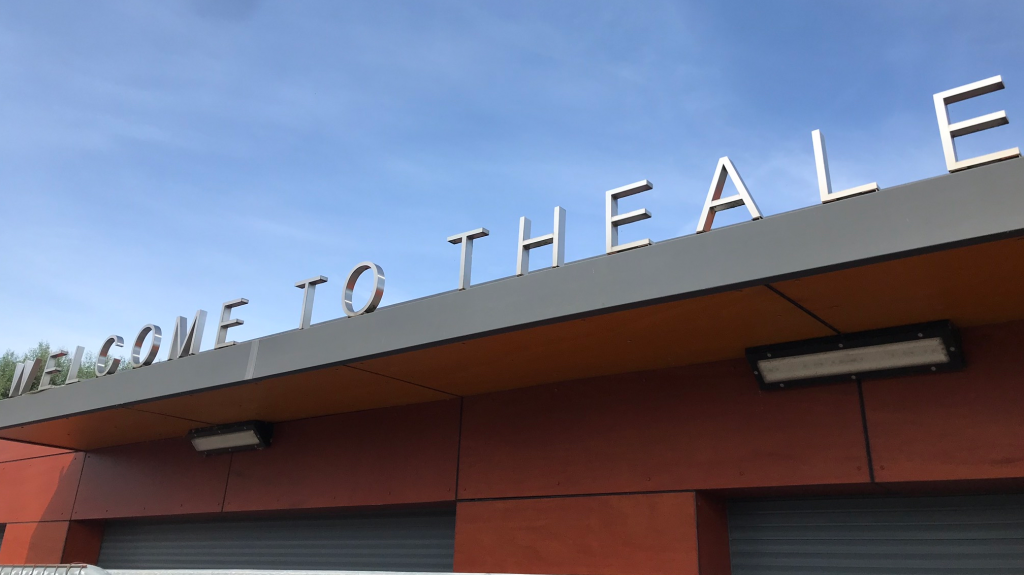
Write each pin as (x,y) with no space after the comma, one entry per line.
(716,203)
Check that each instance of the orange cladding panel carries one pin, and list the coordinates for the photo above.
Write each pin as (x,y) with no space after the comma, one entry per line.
(83,542)
(385,456)
(974,285)
(158,478)
(40,489)
(654,534)
(15,450)
(700,427)
(337,389)
(33,543)
(963,425)
(100,429)
(699,330)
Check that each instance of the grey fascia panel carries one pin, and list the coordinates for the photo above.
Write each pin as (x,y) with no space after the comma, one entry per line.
(923,216)
(166,378)
(972,206)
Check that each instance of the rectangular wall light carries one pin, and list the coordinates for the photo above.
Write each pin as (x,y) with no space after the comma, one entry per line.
(233,437)
(921,348)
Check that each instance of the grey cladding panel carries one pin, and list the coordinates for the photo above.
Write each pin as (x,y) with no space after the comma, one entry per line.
(379,541)
(905,536)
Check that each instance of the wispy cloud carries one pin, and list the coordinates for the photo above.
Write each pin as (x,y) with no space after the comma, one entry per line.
(156,158)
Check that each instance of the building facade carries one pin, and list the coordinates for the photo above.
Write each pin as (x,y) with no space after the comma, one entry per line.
(597,418)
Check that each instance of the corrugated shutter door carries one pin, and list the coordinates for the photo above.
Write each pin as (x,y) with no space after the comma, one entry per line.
(900,536)
(388,541)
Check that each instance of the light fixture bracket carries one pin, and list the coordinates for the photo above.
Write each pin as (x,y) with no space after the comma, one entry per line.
(232,437)
(919,348)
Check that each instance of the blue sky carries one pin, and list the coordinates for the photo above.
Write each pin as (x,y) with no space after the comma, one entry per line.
(161,157)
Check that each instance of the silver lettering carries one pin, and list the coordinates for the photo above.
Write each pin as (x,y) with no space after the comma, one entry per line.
(187,340)
(716,203)
(613,219)
(466,262)
(949,131)
(556,239)
(825,179)
(227,323)
(50,369)
(103,366)
(24,374)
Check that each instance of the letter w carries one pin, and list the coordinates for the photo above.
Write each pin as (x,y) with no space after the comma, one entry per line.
(24,374)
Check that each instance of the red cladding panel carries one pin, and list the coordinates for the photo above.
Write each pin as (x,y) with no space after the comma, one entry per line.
(40,489)
(964,425)
(83,541)
(699,427)
(33,543)
(384,456)
(607,535)
(163,477)
(713,536)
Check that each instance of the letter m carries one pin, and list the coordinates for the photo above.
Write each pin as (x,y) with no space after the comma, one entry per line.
(187,339)
(24,374)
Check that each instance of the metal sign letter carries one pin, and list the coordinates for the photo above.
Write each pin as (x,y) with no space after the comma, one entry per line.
(227,323)
(50,369)
(716,203)
(613,219)
(187,340)
(350,286)
(555,238)
(154,346)
(24,374)
(825,180)
(104,367)
(949,131)
(466,262)
(308,288)
(76,364)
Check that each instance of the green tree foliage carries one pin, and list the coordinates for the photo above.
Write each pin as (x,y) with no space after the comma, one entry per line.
(42,351)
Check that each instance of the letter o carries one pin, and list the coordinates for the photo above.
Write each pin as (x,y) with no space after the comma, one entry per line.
(350,285)
(104,367)
(154,346)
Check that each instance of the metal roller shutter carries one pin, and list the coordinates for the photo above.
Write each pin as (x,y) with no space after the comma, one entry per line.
(901,536)
(379,541)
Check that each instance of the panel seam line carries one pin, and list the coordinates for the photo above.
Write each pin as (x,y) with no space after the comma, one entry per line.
(864,425)
(802,308)
(227,481)
(452,395)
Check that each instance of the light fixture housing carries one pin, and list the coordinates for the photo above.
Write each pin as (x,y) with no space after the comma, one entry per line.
(244,436)
(920,348)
